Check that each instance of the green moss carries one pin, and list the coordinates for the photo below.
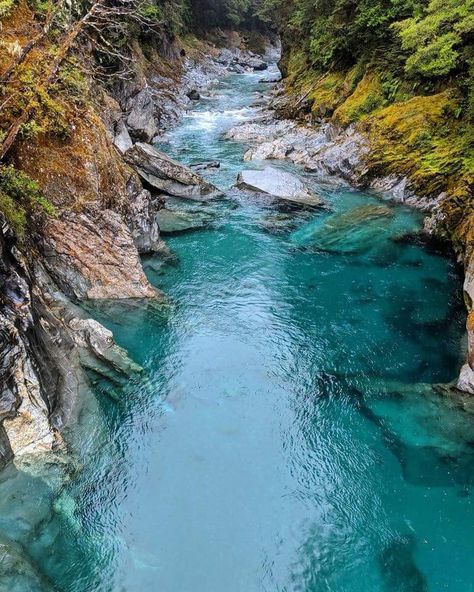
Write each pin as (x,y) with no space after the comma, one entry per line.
(296,66)
(328,93)
(40,7)
(6,7)
(21,199)
(423,138)
(72,82)
(14,215)
(367,96)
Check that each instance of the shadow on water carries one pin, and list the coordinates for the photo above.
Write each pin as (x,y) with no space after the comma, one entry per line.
(399,570)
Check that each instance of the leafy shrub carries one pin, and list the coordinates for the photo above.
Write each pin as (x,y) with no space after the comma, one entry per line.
(21,199)
(435,39)
(6,7)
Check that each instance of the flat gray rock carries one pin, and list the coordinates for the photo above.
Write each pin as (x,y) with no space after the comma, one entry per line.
(279,184)
(167,175)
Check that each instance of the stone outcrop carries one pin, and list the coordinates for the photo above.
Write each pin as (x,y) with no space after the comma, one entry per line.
(325,151)
(92,255)
(142,117)
(279,184)
(45,345)
(90,249)
(105,217)
(237,60)
(168,176)
(466,377)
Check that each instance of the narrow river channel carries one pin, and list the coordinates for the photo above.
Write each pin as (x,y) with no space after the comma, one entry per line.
(283,436)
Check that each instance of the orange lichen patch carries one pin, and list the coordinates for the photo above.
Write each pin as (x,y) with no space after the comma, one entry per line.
(470,321)
(83,169)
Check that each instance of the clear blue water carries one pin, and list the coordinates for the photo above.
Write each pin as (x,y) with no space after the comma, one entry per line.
(284,436)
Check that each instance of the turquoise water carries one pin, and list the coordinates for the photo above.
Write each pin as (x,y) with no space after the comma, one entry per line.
(284,436)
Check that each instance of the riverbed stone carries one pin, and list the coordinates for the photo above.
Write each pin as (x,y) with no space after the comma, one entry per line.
(176,221)
(141,120)
(193,95)
(167,175)
(279,184)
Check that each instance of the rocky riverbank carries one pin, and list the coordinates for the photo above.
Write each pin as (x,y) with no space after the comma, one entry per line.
(332,151)
(107,186)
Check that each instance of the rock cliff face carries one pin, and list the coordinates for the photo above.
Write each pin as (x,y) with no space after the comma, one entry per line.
(43,342)
(91,249)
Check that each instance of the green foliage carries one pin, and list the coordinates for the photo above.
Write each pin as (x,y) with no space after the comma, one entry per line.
(6,7)
(402,70)
(31,129)
(173,15)
(208,14)
(21,199)
(72,82)
(41,7)
(436,38)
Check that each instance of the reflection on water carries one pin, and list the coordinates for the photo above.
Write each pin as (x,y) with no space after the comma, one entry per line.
(284,435)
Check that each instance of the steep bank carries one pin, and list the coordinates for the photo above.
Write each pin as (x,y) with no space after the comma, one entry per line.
(76,216)
(384,95)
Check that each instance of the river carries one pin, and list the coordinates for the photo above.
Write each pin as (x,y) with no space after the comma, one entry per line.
(283,436)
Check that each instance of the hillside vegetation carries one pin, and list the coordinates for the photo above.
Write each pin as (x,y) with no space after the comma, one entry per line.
(56,59)
(401,70)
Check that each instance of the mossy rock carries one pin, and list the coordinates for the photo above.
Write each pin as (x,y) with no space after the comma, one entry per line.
(423,139)
(367,96)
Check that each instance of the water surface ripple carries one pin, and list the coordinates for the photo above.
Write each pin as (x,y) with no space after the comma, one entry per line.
(284,436)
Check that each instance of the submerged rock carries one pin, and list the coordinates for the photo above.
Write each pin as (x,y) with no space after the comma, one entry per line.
(168,175)
(205,166)
(98,350)
(397,564)
(18,572)
(350,232)
(281,222)
(175,221)
(279,184)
